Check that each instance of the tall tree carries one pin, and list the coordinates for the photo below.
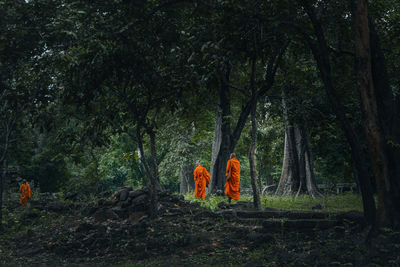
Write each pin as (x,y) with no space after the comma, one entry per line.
(320,51)
(388,183)
(297,168)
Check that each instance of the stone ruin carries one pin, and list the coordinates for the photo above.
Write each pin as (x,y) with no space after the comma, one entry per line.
(130,204)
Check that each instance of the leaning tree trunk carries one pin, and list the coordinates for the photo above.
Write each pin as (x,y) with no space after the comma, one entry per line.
(319,48)
(388,107)
(388,195)
(187,181)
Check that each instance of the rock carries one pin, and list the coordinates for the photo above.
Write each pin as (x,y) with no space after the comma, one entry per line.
(89,239)
(260,237)
(231,213)
(37,204)
(123,195)
(29,214)
(85,227)
(122,213)
(351,216)
(105,194)
(89,210)
(136,193)
(318,206)
(125,203)
(206,214)
(298,225)
(59,206)
(135,217)
(140,203)
(223,205)
(72,195)
(33,251)
(244,205)
(105,214)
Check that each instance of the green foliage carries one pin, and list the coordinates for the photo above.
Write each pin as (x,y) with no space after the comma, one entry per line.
(332,203)
(49,170)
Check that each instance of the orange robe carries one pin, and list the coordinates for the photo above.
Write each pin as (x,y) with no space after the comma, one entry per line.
(202,179)
(232,178)
(25,191)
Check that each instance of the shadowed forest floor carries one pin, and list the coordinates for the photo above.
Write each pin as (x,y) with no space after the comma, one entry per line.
(115,231)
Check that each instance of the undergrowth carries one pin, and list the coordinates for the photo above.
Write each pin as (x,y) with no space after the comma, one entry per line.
(331,203)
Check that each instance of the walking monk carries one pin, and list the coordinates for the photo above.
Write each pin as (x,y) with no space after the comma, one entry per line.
(25,191)
(232,178)
(202,179)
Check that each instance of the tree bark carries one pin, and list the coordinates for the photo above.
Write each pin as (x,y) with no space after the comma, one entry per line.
(219,169)
(289,182)
(228,140)
(321,55)
(253,170)
(388,107)
(216,146)
(187,182)
(297,168)
(153,180)
(2,179)
(388,213)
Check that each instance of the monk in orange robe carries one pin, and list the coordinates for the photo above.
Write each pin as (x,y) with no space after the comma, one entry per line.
(232,178)
(202,180)
(25,191)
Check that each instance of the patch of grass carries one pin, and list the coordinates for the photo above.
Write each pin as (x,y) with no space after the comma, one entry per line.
(332,203)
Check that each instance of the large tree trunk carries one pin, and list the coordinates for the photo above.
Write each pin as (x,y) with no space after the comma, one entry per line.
(297,168)
(187,181)
(388,210)
(219,168)
(290,180)
(229,140)
(388,107)
(321,55)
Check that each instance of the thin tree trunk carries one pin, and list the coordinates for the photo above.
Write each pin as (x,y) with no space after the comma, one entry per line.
(285,174)
(153,152)
(253,171)
(216,146)
(153,180)
(311,183)
(187,180)
(2,179)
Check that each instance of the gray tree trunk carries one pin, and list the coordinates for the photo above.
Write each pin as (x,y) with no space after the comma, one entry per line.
(297,168)
(187,179)
(216,146)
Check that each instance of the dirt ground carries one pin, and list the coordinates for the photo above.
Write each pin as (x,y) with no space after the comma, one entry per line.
(115,232)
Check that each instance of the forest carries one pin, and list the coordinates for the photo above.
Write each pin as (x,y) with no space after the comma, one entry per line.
(103,102)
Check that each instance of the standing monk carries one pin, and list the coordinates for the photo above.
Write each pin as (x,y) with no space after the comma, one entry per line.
(25,191)
(232,178)
(202,179)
